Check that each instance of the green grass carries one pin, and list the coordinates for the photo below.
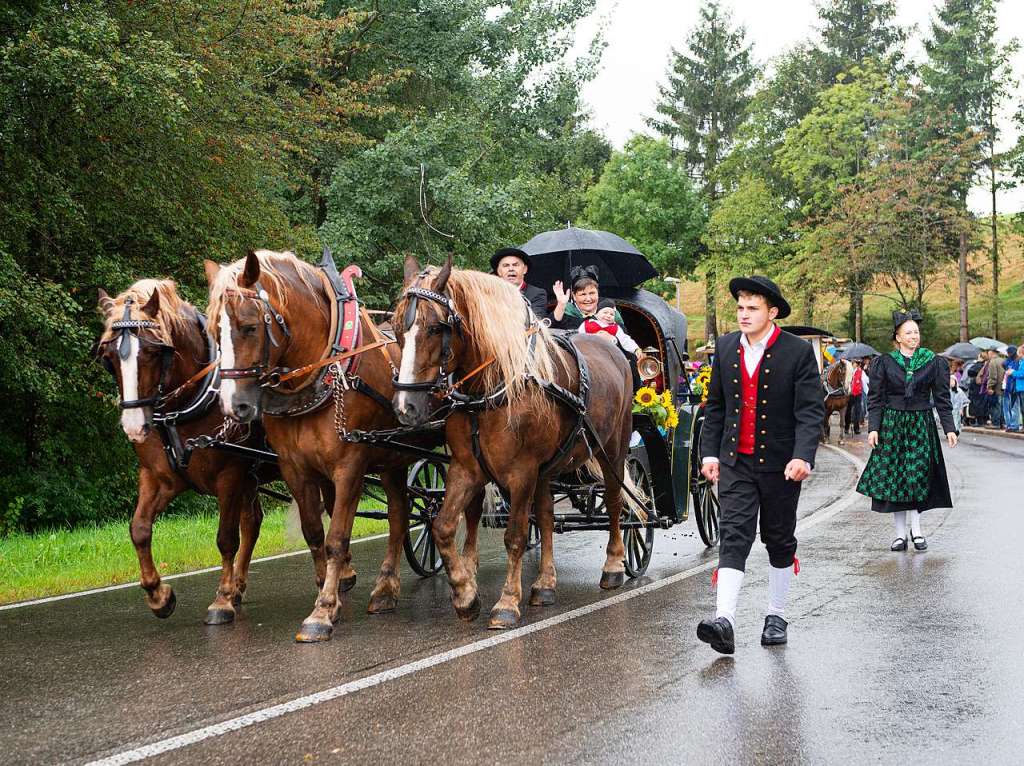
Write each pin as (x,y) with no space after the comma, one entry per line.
(65,561)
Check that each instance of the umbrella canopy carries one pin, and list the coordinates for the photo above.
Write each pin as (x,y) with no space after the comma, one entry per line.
(554,253)
(987,344)
(965,351)
(857,351)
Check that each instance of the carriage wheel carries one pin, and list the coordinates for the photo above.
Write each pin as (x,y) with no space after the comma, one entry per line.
(706,509)
(426,494)
(639,541)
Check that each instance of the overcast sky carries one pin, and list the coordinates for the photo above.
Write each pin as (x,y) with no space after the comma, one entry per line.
(641,33)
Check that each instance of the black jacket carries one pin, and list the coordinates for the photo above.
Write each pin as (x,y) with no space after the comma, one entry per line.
(537,297)
(790,407)
(929,387)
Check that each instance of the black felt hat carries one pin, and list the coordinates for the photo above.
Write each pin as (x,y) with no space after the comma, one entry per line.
(761,286)
(504,253)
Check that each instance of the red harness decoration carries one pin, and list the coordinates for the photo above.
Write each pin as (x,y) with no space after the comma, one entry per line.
(748,397)
(351,332)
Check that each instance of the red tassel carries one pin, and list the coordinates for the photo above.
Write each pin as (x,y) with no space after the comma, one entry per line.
(796,565)
(714,577)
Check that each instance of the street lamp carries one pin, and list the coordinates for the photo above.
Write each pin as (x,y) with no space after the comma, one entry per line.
(679,300)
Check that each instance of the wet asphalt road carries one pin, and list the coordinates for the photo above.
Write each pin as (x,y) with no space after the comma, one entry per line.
(914,656)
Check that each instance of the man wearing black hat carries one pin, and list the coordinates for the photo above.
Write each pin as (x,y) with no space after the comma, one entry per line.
(761,427)
(511,264)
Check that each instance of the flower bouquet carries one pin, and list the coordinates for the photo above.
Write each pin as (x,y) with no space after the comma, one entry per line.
(659,408)
(701,383)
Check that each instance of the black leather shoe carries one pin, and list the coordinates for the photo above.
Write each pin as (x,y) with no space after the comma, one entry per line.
(718,633)
(920,543)
(899,544)
(774,632)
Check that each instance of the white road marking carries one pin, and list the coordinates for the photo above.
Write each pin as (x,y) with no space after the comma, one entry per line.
(376,679)
(132,420)
(227,362)
(122,586)
(408,363)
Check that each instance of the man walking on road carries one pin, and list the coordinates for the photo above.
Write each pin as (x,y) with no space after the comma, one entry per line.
(762,422)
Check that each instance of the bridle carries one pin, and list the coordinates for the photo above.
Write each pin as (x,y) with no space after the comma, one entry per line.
(127,327)
(262,372)
(451,325)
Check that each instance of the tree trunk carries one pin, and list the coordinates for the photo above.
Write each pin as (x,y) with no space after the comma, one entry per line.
(710,311)
(963,287)
(995,249)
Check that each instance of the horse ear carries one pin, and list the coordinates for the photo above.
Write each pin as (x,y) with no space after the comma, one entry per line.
(104,301)
(212,270)
(152,307)
(412,268)
(251,272)
(442,278)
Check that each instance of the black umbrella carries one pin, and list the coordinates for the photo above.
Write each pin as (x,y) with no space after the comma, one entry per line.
(858,351)
(966,351)
(554,253)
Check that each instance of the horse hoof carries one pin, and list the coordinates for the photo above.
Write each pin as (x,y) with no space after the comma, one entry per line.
(313,632)
(542,596)
(219,616)
(612,580)
(167,609)
(236,600)
(503,619)
(346,584)
(471,612)
(382,604)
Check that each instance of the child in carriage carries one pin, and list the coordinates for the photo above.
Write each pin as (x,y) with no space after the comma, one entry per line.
(604,321)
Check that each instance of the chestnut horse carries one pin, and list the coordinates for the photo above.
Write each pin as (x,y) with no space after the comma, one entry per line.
(273,312)
(155,346)
(837,378)
(477,329)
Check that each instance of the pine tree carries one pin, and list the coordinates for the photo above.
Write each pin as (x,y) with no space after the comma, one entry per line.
(702,105)
(858,30)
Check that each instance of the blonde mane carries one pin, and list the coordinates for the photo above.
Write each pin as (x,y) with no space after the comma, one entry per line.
(494,322)
(173,317)
(274,276)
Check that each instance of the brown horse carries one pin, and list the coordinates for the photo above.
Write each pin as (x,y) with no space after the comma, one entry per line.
(274,312)
(837,379)
(475,325)
(155,346)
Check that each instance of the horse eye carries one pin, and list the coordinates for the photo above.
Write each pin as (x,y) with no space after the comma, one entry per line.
(435,329)
(248,330)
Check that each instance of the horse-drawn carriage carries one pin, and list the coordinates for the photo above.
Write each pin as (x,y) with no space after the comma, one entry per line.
(660,473)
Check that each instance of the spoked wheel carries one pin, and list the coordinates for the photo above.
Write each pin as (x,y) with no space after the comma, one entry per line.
(426,493)
(706,509)
(639,541)
(532,535)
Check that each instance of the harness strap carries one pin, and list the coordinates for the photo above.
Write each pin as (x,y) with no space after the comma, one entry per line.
(275,378)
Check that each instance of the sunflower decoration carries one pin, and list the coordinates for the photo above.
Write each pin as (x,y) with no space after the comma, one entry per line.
(659,408)
(702,382)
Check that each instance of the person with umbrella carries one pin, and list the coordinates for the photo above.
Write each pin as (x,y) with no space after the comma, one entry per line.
(906,472)
(511,264)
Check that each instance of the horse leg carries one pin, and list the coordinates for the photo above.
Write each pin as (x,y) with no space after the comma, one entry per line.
(460,489)
(348,486)
(251,521)
(153,498)
(384,597)
(825,428)
(505,613)
(543,591)
(470,548)
(306,493)
(347,577)
(842,428)
(231,498)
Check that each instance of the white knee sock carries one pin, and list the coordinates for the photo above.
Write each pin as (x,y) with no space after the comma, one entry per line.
(915,523)
(778,589)
(900,517)
(729,582)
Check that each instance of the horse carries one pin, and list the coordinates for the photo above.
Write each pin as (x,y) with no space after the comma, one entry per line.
(472,333)
(837,379)
(155,345)
(277,319)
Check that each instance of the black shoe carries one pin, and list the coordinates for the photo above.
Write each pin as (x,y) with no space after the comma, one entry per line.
(718,633)
(774,632)
(899,544)
(919,543)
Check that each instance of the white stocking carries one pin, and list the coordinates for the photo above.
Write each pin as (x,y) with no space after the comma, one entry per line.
(900,517)
(778,589)
(729,582)
(915,523)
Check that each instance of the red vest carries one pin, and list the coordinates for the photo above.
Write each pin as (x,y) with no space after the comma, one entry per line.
(748,395)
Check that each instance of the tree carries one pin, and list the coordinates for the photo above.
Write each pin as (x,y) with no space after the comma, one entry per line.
(645,195)
(749,231)
(967,76)
(858,31)
(703,104)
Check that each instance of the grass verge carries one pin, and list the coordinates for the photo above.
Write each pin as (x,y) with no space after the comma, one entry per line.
(65,561)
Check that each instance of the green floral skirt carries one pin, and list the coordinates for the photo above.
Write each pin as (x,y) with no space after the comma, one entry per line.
(906,470)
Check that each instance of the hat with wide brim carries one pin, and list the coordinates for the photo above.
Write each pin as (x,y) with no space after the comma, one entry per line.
(504,253)
(761,286)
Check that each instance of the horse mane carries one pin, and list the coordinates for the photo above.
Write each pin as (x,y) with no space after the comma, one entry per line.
(277,272)
(494,322)
(175,316)
(847,373)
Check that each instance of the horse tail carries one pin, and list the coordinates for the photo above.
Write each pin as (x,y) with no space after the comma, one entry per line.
(632,493)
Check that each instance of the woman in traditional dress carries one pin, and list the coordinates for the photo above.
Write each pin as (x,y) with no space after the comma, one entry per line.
(906,473)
